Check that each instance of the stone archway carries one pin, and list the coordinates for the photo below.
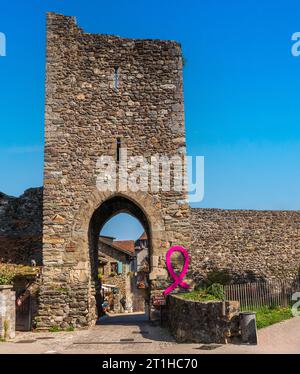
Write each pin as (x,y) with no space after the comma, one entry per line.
(70,287)
(99,208)
(127,289)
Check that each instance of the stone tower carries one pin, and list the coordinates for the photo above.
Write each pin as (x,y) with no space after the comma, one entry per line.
(104,92)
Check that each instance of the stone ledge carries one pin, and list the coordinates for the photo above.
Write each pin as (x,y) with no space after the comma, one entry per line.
(5,286)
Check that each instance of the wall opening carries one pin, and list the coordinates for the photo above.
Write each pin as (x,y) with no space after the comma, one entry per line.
(118,155)
(116,78)
(120,249)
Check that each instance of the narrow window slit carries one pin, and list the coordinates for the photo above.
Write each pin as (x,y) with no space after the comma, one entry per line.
(116,78)
(118,149)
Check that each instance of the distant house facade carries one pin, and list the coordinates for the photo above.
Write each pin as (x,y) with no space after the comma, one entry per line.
(123,272)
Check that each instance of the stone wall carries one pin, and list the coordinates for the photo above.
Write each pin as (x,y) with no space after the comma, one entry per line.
(248,244)
(7,312)
(21,227)
(85,116)
(203,322)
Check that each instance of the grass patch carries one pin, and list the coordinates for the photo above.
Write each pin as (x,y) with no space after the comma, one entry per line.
(59,329)
(200,295)
(55,329)
(267,316)
(215,292)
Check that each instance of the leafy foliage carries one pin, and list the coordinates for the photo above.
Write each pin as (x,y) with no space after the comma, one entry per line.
(55,329)
(9,272)
(7,275)
(267,316)
(213,293)
(218,276)
(217,290)
(199,295)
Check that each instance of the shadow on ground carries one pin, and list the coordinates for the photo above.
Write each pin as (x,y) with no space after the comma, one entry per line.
(141,326)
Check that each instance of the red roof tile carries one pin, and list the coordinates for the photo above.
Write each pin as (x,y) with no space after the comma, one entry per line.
(143,236)
(126,245)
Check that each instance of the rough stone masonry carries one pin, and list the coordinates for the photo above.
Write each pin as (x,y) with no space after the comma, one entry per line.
(89,111)
(87,115)
(21,227)
(248,245)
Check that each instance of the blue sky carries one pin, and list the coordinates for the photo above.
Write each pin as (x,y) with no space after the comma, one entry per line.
(123,227)
(241,86)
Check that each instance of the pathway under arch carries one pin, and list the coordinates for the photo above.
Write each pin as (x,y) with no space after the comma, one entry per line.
(108,209)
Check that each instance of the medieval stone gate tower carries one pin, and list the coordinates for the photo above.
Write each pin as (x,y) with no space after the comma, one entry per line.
(104,92)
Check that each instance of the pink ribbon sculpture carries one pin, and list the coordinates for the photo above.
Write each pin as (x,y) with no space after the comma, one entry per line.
(178,279)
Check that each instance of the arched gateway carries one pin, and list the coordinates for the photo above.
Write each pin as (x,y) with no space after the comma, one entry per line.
(105,94)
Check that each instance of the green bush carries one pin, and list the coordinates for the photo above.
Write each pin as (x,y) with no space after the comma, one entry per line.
(217,290)
(199,295)
(7,274)
(217,276)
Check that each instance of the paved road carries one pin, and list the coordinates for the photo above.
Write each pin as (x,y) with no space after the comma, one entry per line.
(133,334)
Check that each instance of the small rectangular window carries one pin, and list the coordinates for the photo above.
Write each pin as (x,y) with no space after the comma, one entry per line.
(118,149)
(120,267)
(116,78)
(113,268)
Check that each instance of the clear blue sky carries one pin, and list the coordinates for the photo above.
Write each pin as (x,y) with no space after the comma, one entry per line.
(123,227)
(241,86)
